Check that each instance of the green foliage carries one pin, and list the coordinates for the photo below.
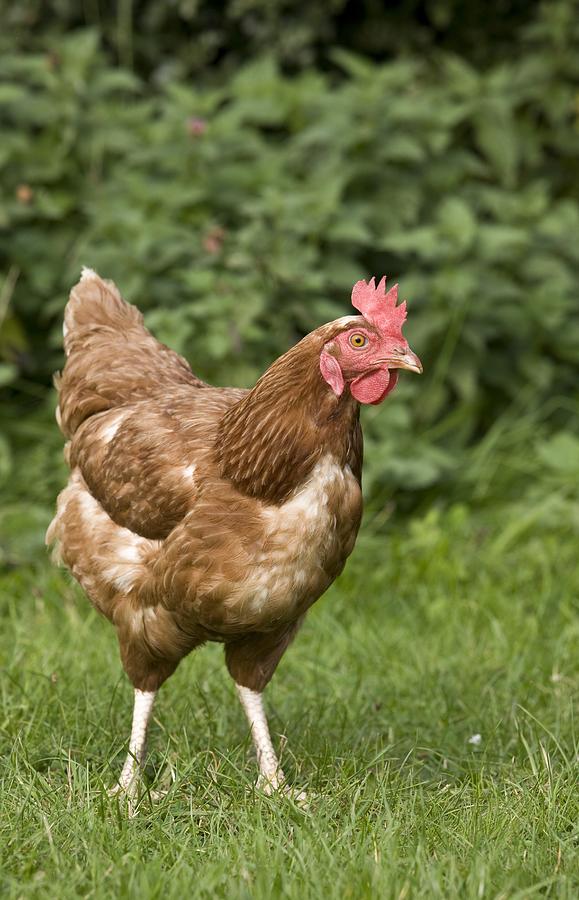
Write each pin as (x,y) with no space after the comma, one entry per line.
(174,39)
(238,214)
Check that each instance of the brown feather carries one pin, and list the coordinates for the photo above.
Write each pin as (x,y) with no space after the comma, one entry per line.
(270,440)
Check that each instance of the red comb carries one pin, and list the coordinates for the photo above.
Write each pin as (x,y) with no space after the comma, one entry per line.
(378,306)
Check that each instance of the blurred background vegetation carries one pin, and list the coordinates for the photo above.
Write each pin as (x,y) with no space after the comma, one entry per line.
(236,166)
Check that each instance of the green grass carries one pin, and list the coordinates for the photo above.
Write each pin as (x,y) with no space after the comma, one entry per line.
(430,637)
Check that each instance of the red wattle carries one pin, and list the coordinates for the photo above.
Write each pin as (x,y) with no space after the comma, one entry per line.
(375,386)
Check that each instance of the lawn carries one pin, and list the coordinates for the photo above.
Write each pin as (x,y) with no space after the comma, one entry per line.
(427,705)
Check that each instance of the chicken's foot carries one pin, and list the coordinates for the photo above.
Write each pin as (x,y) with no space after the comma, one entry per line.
(129,779)
(271,777)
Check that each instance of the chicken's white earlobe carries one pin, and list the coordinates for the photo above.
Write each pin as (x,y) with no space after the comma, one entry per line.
(330,369)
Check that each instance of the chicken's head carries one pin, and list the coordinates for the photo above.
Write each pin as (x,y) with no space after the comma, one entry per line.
(367,350)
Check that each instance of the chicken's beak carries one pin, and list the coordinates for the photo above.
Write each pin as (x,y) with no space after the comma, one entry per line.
(409,361)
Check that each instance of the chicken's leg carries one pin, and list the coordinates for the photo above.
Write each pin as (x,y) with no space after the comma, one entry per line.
(251,661)
(128,782)
(271,776)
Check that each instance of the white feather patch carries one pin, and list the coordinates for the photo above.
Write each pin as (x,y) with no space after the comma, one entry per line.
(299,533)
(121,551)
(109,430)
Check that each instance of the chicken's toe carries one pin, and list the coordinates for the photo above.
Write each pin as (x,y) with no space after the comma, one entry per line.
(273,786)
(128,795)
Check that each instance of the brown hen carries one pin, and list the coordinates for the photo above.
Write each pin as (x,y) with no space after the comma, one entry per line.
(196,513)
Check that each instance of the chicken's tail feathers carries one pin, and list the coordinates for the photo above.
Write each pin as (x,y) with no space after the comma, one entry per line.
(112,360)
(95,303)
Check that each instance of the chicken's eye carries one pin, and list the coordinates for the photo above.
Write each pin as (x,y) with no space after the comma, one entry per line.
(358,340)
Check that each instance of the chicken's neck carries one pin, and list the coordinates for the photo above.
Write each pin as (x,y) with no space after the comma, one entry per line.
(270,440)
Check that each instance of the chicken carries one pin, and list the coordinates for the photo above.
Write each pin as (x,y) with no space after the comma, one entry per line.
(196,513)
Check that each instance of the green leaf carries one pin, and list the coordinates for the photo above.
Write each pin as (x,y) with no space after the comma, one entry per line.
(498,139)
(560,453)
(457,222)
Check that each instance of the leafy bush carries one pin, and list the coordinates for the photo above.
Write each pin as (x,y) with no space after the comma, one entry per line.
(165,40)
(239,215)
